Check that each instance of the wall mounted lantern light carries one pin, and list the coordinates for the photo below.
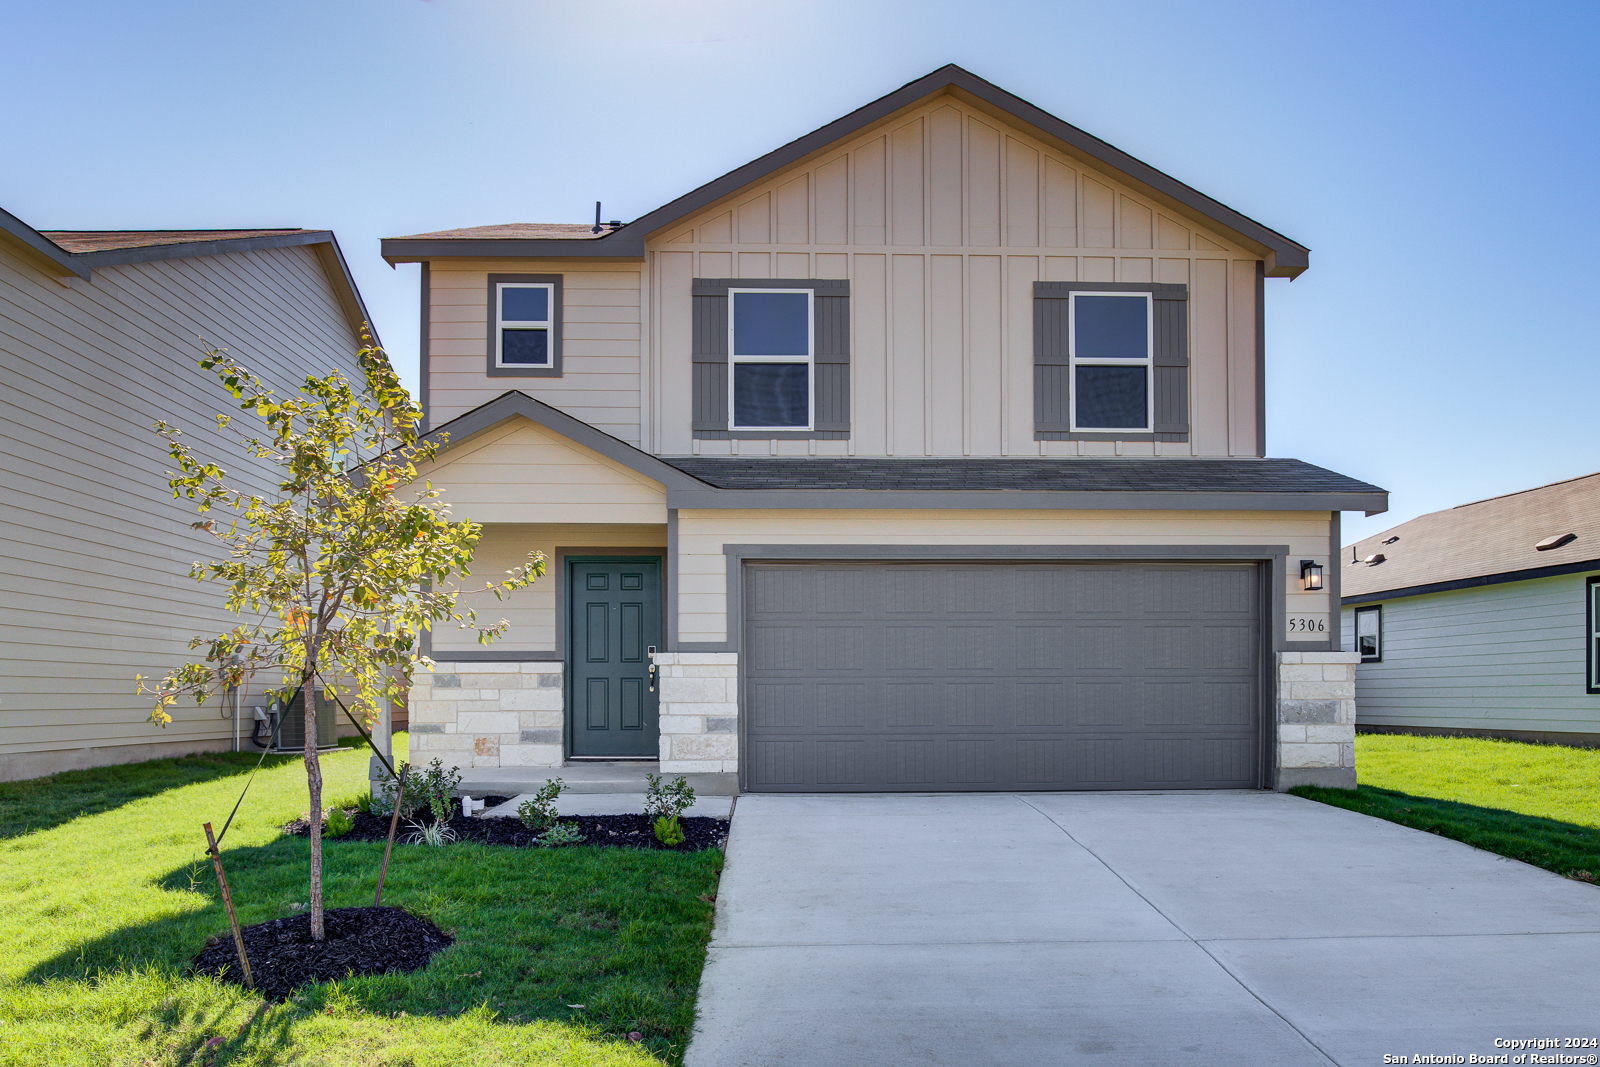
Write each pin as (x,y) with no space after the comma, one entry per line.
(1310,575)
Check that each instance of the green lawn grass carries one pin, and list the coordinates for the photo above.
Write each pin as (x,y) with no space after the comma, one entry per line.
(1535,803)
(108,894)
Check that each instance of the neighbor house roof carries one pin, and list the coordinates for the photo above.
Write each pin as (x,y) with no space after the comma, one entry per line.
(827,482)
(82,252)
(518,231)
(1486,542)
(1283,257)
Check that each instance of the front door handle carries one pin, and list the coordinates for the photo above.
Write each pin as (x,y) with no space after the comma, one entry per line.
(650,651)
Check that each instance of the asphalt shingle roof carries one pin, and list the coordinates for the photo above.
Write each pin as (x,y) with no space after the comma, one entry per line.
(532,231)
(1076,474)
(1494,536)
(108,240)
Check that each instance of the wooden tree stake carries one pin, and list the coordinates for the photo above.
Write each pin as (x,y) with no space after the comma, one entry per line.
(227,902)
(394,821)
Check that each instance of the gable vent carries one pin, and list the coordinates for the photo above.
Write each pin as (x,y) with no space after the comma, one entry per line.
(1556,541)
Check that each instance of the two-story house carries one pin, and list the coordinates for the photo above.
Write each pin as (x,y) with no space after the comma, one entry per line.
(926,452)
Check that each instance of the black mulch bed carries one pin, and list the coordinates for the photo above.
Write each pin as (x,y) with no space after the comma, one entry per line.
(358,940)
(607,831)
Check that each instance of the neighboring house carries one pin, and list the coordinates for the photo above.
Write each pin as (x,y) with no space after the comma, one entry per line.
(923,453)
(100,335)
(1482,619)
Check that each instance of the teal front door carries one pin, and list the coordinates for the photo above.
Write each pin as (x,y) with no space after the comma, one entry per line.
(613,623)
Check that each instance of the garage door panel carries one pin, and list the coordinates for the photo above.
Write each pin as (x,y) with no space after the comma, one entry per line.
(926,686)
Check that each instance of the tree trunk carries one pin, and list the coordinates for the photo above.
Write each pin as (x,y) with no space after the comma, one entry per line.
(314,780)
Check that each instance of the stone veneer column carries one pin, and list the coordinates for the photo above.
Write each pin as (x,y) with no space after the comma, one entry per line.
(488,715)
(1317,719)
(699,712)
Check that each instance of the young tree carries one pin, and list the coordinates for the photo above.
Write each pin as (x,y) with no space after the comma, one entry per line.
(337,576)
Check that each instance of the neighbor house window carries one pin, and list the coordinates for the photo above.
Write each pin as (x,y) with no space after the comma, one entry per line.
(1111,357)
(1593,633)
(771,351)
(1369,634)
(524,325)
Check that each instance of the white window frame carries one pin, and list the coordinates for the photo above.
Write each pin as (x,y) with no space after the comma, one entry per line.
(1148,363)
(1592,614)
(501,324)
(1376,611)
(810,359)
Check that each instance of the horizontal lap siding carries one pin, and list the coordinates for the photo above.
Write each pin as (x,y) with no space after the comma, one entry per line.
(94,552)
(1501,657)
(532,611)
(702,564)
(601,339)
(941,221)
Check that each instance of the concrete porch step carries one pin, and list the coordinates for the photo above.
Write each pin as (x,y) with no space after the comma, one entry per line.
(587,777)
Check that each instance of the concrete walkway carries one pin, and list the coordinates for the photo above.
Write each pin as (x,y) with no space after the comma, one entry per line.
(1217,928)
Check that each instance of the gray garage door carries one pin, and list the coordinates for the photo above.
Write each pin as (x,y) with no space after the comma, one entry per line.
(878,677)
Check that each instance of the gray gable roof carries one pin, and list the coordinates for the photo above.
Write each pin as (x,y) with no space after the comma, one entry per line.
(1482,543)
(1283,256)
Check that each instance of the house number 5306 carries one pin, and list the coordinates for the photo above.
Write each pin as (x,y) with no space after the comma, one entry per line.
(1308,626)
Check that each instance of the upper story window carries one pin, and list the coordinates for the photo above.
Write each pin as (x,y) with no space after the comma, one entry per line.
(524,325)
(770,359)
(770,342)
(1111,361)
(1369,633)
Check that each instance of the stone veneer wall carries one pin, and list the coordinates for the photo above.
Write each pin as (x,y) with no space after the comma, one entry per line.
(1317,719)
(489,715)
(699,712)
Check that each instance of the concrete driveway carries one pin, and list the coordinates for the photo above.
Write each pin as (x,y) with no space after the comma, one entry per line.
(1214,928)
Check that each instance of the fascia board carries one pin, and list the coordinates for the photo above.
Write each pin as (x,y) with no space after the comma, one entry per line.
(615,245)
(516,404)
(1475,582)
(42,246)
(1002,499)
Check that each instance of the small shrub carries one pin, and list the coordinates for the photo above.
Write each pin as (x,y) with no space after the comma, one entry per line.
(364,803)
(539,814)
(435,834)
(668,830)
(338,823)
(433,789)
(562,833)
(671,800)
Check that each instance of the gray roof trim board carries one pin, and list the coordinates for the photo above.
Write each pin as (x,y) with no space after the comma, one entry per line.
(83,264)
(1283,256)
(1473,583)
(1080,483)
(1479,543)
(514,404)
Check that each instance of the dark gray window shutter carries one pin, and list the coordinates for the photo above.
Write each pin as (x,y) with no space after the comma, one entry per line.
(831,307)
(710,358)
(1052,384)
(831,365)
(1171,369)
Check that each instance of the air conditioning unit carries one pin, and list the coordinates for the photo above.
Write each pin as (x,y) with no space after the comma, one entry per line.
(292,734)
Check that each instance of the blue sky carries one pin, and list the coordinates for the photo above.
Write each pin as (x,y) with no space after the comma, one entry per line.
(1439,159)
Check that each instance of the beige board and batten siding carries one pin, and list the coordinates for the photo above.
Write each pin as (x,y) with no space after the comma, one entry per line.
(1504,657)
(942,220)
(94,551)
(601,342)
(702,563)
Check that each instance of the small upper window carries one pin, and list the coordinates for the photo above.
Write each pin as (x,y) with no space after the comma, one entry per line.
(1369,634)
(523,324)
(771,350)
(1111,357)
